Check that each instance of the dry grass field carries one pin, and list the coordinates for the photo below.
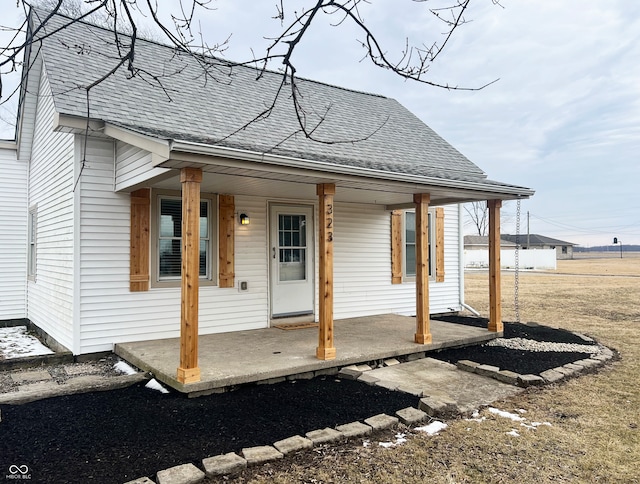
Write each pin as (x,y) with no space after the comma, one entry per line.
(594,433)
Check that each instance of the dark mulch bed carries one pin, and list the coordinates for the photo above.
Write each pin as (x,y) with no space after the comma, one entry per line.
(523,362)
(116,436)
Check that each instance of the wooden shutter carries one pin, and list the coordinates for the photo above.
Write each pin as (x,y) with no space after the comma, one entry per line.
(139,247)
(396,247)
(226,252)
(440,244)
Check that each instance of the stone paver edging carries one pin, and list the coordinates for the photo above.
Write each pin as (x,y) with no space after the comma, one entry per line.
(552,375)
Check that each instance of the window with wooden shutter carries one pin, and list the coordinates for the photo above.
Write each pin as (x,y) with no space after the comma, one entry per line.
(403,245)
(226,251)
(139,246)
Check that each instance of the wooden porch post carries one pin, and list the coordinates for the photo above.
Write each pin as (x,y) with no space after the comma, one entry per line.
(495,304)
(423,331)
(325,192)
(188,371)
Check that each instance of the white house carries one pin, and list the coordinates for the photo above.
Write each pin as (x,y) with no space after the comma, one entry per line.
(101,185)
(563,249)
(476,255)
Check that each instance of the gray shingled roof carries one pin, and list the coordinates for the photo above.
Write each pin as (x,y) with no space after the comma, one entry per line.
(473,240)
(190,106)
(535,239)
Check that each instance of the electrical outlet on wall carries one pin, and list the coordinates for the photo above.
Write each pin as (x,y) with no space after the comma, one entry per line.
(243,286)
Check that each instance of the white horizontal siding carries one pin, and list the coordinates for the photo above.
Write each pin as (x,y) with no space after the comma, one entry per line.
(50,296)
(13,235)
(133,166)
(362,265)
(110,313)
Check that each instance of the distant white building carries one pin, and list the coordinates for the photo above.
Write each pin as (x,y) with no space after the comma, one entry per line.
(564,250)
(476,255)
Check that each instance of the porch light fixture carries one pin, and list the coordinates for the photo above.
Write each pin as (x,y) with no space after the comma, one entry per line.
(244,219)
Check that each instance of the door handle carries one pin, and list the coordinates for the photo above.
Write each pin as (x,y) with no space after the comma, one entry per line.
(274,252)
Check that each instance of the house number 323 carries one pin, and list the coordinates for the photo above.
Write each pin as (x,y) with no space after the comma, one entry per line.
(329,222)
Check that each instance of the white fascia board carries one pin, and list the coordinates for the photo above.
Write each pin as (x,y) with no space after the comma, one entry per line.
(8,145)
(76,124)
(158,148)
(336,171)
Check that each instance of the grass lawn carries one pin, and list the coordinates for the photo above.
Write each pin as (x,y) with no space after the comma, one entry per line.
(594,434)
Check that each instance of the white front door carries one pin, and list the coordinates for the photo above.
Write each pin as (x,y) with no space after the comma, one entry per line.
(292,264)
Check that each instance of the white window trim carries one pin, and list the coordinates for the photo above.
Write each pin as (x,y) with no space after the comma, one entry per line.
(32,243)
(211,279)
(432,249)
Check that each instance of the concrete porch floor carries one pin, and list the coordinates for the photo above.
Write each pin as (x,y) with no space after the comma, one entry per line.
(228,359)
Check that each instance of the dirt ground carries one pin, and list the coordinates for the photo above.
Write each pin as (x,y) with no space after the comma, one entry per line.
(593,433)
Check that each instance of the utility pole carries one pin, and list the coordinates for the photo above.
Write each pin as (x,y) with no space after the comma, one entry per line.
(528,229)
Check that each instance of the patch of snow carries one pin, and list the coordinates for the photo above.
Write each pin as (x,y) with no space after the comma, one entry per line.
(502,413)
(16,342)
(527,426)
(514,433)
(538,424)
(366,443)
(433,428)
(153,384)
(123,367)
(400,439)
(521,411)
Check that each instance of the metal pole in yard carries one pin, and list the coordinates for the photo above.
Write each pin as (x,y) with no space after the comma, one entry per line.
(616,240)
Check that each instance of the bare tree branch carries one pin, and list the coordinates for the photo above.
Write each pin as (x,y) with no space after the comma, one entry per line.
(185,35)
(478,216)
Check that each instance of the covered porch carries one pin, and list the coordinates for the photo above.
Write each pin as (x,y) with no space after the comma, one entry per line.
(327,192)
(235,358)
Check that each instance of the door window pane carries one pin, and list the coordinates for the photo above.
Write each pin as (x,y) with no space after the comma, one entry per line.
(292,247)
(292,264)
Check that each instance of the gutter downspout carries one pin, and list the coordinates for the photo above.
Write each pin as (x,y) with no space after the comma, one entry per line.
(461,263)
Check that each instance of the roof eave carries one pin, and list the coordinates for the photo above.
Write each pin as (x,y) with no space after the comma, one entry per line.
(504,192)
(79,125)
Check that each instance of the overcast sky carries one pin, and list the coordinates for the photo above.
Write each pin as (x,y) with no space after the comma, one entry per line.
(563,119)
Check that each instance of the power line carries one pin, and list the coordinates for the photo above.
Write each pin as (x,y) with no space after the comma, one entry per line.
(611,228)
